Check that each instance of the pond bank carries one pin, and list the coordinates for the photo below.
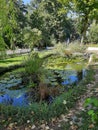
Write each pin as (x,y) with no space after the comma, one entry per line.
(4,70)
(63,104)
(71,120)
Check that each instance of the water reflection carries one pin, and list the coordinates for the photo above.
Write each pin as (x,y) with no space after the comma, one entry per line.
(16,101)
(71,79)
(20,97)
(75,77)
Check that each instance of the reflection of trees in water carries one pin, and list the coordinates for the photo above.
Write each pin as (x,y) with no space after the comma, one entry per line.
(20,101)
(81,74)
(7,100)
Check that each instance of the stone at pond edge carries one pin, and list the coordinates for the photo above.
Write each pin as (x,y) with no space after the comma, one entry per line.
(33,127)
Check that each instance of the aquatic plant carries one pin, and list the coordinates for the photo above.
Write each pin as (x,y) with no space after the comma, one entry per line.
(33,64)
(33,68)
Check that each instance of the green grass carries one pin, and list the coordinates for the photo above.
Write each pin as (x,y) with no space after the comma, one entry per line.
(12,61)
(92,45)
(19,59)
(45,53)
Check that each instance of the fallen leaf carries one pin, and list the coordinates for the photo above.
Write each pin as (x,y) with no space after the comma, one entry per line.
(91,126)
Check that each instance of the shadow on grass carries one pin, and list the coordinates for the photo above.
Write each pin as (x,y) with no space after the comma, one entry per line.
(8,61)
(10,68)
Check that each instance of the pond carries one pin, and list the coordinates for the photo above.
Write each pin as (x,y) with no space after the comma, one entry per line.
(13,92)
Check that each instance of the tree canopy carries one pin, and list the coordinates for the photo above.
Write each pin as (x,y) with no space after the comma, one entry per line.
(57,20)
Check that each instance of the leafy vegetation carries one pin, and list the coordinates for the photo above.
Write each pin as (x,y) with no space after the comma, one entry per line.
(93,112)
(45,23)
(59,30)
(11,61)
(33,64)
(43,111)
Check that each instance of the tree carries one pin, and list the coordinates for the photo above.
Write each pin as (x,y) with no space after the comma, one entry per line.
(50,18)
(32,37)
(3,19)
(12,21)
(86,10)
(92,36)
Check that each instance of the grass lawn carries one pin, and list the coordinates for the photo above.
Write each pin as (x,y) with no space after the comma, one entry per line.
(44,53)
(12,61)
(19,59)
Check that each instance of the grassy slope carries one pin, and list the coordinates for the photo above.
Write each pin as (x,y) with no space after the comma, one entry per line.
(11,61)
(19,59)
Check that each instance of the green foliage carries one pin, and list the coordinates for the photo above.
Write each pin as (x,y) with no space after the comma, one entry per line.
(93,33)
(12,22)
(42,110)
(32,37)
(60,48)
(11,61)
(46,23)
(37,112)
(49,18)
(76,47)
(2,55)
(3,46)
(85,11)
(93,112)
(33,64)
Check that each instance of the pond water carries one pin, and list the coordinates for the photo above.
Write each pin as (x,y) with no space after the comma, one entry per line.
(12,92)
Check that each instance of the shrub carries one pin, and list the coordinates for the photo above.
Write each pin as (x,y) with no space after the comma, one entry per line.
(33,64)
(93,112)
(93,33)
(76,47)
(33,36)
(61,49)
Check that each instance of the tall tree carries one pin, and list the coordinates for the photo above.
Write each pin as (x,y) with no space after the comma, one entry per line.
(12,20)
(51,19)
(86,10)
(3,21)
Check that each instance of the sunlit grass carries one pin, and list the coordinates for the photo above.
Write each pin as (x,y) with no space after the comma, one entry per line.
(92,45)
(12,61)
(19,59)
(45,53)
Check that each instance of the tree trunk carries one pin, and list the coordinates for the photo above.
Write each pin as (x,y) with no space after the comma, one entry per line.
(85,27)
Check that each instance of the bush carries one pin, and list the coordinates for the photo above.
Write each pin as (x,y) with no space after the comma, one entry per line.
(76,47)
(93,34)
(33,64)
(93,112)
(32,37)
(61,49)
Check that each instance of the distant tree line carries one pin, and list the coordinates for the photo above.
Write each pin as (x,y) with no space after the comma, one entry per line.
(46,22)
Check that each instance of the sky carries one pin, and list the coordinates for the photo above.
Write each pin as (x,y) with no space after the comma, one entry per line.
(26,1)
